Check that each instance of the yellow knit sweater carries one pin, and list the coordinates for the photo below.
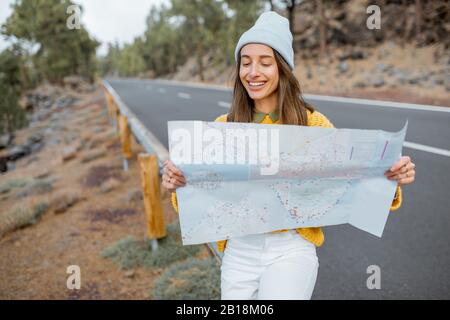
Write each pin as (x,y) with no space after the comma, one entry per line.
(313,234)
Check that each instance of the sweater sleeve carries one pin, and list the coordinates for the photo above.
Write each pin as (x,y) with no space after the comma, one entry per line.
(174,201)
(398,198)
(222,118)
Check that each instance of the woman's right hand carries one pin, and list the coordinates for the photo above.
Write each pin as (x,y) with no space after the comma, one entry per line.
(172,177)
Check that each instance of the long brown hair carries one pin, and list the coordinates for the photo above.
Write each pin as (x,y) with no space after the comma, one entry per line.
(291,106)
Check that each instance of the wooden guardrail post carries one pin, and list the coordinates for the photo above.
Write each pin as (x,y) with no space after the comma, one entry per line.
(113,115)
(109,102)
(125,139)
(111,108)
(156,227)
(116,112)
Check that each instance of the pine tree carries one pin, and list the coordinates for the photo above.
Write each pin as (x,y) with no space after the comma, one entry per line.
(61,51)
(12,116)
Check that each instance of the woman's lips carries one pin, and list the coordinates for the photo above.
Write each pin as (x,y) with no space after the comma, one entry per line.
(256,85)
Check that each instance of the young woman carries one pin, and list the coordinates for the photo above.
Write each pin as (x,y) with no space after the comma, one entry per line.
(282,264)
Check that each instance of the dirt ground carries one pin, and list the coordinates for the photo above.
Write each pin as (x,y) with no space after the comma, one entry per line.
(34,260)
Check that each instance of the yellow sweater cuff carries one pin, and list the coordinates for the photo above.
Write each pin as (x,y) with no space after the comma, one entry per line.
(175,201)
(397,202)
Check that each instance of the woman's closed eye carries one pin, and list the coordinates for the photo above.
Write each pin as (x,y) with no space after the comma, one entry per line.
(263,64)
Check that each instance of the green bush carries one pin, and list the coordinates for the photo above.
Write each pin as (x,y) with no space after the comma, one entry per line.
(190,280)
(130,253)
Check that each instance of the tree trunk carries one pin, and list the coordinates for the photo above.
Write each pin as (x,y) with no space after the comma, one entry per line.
(322,29)
(418,17)
(405,21)
(200,59)
(291,17)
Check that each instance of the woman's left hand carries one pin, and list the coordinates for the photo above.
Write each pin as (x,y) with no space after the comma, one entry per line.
(402,171)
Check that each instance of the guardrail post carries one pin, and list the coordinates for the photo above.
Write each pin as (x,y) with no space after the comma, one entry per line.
(125,138)
(109,102)
(113,114)
(156,228)
(116,116)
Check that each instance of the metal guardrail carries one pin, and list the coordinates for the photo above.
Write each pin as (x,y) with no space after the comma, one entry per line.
(150,143)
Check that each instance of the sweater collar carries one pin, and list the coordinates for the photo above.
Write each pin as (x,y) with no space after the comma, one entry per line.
(258,117)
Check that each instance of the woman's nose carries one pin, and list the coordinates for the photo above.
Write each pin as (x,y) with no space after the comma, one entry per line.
(254,70)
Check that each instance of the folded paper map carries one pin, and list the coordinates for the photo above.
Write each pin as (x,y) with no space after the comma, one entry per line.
(247,178)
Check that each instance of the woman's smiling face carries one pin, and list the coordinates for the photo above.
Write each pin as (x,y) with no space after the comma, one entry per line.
(258,70)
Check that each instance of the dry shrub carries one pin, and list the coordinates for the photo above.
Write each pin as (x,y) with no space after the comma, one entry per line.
(130,253)
(22,215)
(190,280)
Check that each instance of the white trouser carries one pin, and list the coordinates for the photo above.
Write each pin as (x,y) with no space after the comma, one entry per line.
(269,266)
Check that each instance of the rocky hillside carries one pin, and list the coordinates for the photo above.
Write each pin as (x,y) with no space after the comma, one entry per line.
(399,62)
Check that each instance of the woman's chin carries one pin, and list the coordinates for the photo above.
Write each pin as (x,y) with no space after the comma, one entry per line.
(257,95)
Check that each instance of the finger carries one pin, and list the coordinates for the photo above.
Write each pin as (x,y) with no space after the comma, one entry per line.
(178,181)
(405,168)
(169,186)
(411,174)
(408,167)
(400,163)
(169,173)
(181,178)
(174,169)
(406,181)
(390,174)
(397,176)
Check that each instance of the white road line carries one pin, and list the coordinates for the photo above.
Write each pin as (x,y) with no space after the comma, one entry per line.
(184,95)
(425,148)
(194,85)
(162,90)
(224,104)
(379,103)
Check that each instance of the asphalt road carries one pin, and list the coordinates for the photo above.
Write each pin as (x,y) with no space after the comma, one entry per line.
(414,253)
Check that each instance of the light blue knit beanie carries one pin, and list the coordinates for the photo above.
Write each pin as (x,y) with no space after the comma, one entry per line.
(273,30)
